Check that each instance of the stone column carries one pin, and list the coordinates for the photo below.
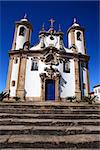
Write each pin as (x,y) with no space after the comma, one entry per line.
(28,35)
(9,74)
(77,80)
(87,77)
(21,77)
(43,76)
(43,90)
(57,92)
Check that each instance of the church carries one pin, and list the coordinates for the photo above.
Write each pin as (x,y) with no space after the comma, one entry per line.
(48,70)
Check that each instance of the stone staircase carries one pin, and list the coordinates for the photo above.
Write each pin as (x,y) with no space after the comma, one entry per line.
(49,125)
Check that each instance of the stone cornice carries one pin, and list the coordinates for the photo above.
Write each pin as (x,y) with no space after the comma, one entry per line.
(26,23)
(60,54)
(46,33)
(73,28)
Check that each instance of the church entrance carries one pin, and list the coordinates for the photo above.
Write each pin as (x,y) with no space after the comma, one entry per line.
(50,89)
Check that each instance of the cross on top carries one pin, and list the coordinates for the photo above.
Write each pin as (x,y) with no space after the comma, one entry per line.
(52,22)
(74,20)
(25,16)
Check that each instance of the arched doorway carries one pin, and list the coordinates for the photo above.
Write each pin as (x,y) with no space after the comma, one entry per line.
(49,89)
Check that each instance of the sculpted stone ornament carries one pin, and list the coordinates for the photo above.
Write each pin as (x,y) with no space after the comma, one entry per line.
(51,58)
(52,73)
(42,76)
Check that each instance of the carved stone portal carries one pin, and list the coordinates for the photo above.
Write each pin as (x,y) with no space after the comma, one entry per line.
(50,73)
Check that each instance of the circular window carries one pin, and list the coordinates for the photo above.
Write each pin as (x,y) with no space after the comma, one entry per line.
(51,37)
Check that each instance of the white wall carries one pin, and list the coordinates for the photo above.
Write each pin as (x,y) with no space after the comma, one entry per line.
(79,44)
(97,92)
(67,80)
(14,76)
(20,40)
(85,80)
(69,40)
(68,88)
(33,81)
(54,42)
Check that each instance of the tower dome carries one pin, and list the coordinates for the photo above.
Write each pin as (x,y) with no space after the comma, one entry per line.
(76,37)
(22,34)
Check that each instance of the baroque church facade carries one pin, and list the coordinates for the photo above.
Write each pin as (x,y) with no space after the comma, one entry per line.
(48,70)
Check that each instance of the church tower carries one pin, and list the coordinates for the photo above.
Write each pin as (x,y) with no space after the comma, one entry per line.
(76,41)
(22,34)
(17,63)
(76,37)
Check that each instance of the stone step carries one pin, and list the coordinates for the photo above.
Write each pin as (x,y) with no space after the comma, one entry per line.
(49,111)
(48,130)
(50,141)
(50,116)
(49,125)
(53,105)
(49,122)
(46,149)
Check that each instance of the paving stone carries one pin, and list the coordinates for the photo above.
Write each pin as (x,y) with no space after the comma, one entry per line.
(49,125)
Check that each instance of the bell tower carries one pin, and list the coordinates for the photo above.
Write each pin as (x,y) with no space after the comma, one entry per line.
(76,37)
(23,29)
(17,64)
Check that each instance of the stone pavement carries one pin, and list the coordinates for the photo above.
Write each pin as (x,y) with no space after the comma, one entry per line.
(49,126)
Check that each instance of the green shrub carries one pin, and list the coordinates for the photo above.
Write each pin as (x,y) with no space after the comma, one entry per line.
(16,98)
(3,95)
(88,99)
(71,98)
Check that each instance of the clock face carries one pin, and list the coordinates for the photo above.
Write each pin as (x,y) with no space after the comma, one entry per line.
(51,40)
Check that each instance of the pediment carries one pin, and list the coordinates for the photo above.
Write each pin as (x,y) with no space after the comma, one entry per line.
(50,56)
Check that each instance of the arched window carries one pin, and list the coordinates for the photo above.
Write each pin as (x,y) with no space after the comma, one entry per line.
(79,36)
(15,60)
(13,83)
(26,45)
(98,90)
(22,31)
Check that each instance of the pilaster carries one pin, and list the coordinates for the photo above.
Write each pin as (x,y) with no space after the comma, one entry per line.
(77,80)
(28,35)
(57,92)
(87,78)
(9,74)
(72,37)
(21,77)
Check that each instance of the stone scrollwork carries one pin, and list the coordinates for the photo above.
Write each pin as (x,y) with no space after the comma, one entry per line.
(52,73)
(51,58)
(43,76)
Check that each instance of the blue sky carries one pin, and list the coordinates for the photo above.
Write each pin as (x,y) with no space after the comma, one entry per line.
(86,12)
